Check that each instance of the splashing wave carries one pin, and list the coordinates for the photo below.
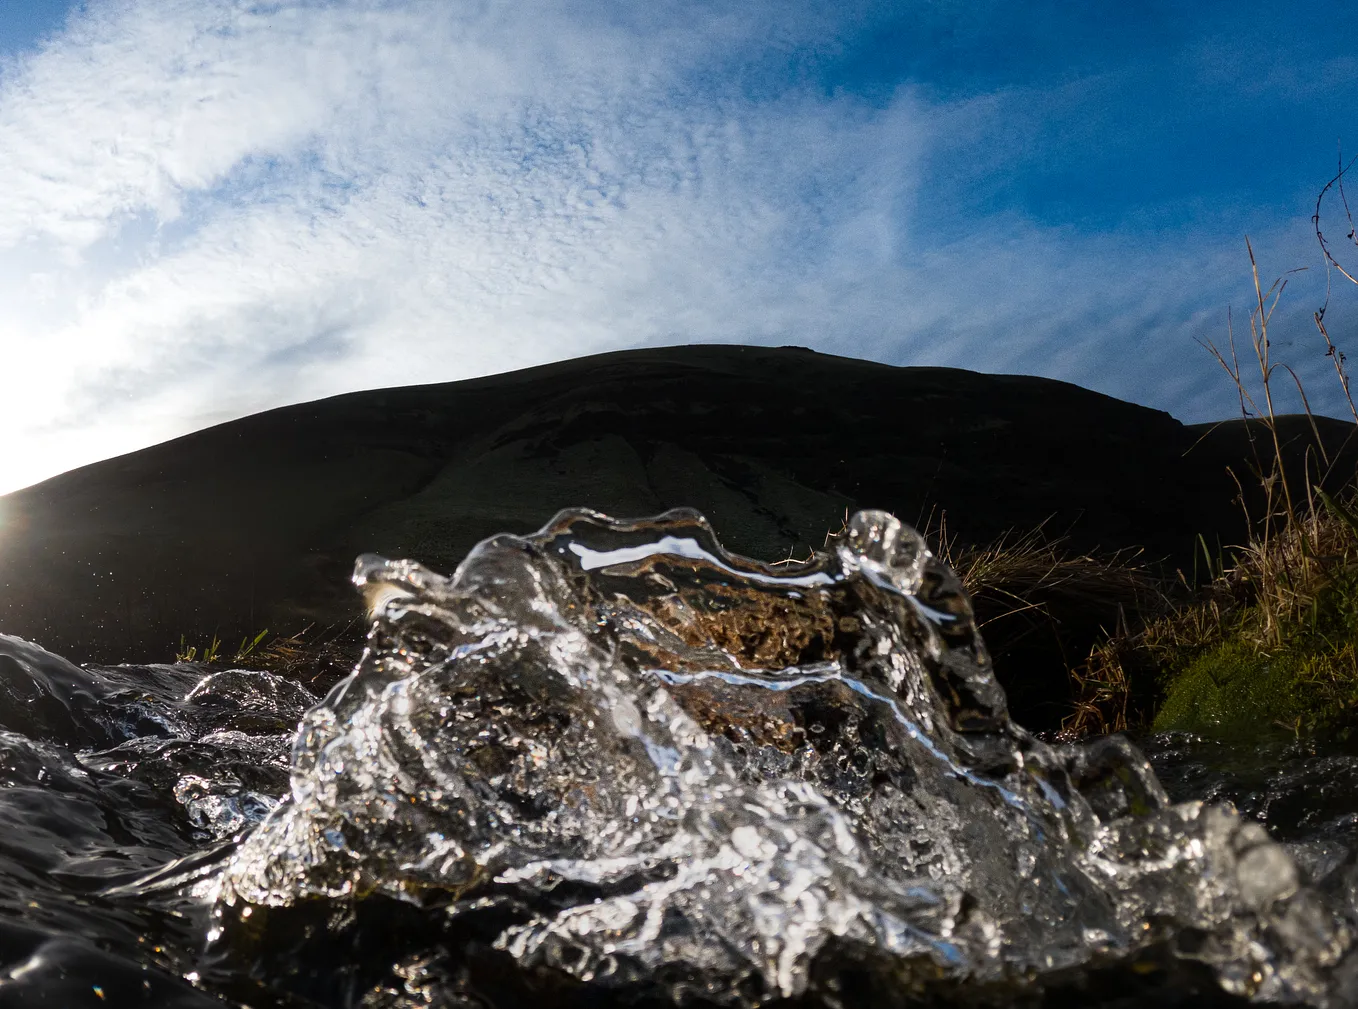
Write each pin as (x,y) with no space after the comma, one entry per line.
(612,758)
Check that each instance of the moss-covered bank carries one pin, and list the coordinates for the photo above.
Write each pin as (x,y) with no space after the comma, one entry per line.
(1304,680)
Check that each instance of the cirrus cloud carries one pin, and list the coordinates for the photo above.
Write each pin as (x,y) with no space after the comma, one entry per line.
(209,208)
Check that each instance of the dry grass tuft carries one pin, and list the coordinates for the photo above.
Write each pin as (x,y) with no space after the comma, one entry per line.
(317,659)
(1030,572)
(1285,605)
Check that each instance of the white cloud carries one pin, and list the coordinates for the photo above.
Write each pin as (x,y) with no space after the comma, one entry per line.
(212,208)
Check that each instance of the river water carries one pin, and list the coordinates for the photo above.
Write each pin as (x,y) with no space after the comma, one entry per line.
(612,764)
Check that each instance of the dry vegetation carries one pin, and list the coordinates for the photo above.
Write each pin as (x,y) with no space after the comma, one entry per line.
(1271,637)
(314,658)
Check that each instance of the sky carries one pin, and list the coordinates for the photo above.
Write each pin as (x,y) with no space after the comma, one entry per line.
(210,208)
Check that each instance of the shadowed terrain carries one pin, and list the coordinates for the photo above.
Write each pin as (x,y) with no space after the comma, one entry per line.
(256,523)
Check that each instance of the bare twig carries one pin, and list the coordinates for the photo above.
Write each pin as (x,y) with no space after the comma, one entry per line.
(1337,181)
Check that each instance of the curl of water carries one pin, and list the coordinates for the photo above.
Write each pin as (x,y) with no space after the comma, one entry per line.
(106,773)
(628,759)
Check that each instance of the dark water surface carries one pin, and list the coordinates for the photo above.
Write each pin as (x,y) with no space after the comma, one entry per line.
(611,764)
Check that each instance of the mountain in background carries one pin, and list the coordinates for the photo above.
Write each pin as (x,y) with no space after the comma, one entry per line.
(256,523)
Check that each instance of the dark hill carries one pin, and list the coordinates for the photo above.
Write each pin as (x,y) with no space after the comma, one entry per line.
(256,523)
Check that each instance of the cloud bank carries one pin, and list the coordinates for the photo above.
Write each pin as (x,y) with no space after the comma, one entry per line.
(210,208)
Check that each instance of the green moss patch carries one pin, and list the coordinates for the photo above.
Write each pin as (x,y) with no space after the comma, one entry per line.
(1304,682)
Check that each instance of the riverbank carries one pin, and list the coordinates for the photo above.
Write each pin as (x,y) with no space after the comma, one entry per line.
(255,524)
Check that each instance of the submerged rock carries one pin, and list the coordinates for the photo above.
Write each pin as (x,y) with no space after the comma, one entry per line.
(613,761)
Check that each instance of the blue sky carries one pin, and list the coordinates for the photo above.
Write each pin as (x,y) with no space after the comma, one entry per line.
(25,23)
(210,207)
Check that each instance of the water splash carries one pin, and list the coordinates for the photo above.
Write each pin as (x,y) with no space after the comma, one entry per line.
(619,758)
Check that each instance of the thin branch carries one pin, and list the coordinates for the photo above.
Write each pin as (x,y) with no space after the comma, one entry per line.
(1344,197)
(1338,180)
(1306,405)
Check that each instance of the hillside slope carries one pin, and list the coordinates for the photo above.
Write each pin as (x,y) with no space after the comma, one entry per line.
(255,523)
